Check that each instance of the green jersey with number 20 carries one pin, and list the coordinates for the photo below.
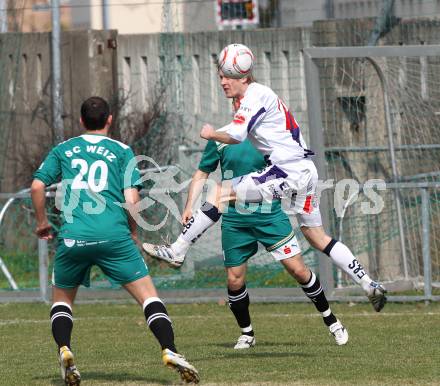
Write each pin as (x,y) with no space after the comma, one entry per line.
(94,171)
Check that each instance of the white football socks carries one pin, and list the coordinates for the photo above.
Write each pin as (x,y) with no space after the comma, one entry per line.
(344,259)
(203,219)
(180,246)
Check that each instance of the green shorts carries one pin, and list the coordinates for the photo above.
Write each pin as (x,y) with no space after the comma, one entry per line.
(239,243)
(120,260)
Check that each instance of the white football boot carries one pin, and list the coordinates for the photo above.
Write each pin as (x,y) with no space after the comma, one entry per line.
(339,332)
(164,253)
(244,342)
(69,372)
(175,361)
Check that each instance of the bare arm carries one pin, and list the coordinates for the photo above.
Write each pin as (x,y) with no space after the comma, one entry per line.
(195,188)
(38,195)
(131,199)
(208,132)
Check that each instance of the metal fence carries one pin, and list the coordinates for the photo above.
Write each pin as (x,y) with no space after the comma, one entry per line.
(368,119)
(202,279)
(373,115)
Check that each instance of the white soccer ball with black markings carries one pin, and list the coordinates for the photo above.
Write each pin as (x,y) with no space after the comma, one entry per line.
(236,61)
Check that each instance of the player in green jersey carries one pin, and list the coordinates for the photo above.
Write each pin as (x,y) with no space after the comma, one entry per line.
(97,230)
(243,227)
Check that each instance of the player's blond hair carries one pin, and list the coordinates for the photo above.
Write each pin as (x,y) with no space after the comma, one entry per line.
(250,78)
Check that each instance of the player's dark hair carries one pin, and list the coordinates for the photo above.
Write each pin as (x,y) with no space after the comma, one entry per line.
(94,113)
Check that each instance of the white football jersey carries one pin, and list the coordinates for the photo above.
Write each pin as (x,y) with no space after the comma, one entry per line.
(271,127)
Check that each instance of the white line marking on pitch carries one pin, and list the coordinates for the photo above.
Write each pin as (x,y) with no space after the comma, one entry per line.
(91,318)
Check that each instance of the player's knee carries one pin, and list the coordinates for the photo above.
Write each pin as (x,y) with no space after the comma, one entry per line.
(316,237)
(235,282)
(302,275)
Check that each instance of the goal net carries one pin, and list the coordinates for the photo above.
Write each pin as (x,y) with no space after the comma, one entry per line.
(360,113)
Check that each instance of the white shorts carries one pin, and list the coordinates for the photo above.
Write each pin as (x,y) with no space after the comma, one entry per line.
(293,183)
(310,220)
(285,249)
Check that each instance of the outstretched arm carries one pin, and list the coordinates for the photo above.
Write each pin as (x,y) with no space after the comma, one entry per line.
(208,132)
(38,195)
(195,188)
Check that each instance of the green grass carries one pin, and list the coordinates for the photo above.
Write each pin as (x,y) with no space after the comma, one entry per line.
(22,266)
(24,269)
(400,346)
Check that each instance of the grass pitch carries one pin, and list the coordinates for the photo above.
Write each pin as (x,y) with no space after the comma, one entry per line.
(113,346)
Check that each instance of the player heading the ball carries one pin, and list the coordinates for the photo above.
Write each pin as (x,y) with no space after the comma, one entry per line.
(290,174)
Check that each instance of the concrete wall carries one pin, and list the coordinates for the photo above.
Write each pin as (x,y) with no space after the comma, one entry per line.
(186,64)
(407,9)
(88,68)
(24,100)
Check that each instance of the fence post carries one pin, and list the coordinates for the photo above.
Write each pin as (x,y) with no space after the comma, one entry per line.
(43,269)
(426,252)
(318,145)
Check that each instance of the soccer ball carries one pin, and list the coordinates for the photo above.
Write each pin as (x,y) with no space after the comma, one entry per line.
(236,61)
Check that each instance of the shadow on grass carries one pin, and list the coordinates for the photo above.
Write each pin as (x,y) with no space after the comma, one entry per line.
(259,344)
(253,354)
(113,378)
